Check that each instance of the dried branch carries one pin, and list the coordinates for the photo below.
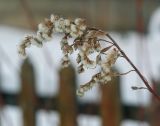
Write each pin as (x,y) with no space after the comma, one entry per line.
(86,41)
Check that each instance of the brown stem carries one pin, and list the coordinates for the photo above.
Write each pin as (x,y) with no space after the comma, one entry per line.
(135,68)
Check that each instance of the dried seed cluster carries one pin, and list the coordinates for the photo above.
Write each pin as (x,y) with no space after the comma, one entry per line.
(86,42)
(104,76)
(53,25)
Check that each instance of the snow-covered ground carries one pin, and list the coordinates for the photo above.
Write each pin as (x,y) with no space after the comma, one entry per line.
(46,62)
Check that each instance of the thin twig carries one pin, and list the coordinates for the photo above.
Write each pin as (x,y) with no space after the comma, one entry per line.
(138,88)
(135,68)
(119,74)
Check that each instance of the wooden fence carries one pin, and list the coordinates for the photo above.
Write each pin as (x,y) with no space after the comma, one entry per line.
(110,108)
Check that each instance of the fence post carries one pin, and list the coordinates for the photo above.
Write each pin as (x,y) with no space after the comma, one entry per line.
(110,103)
(154,113)
(27,94)
(154,107)
(67,97)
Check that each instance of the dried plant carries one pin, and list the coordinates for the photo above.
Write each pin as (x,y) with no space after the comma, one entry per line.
(87,41)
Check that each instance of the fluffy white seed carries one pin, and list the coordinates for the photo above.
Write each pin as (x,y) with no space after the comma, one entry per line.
(83,27)
(21,52)
(79,93)
(39,36)
(67,22)
(53,18)
(73,34)
(42,27)
(46,37)
(73,28)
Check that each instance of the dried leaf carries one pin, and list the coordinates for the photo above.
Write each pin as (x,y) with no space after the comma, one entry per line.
(80,69)
(106,49)
(98,59)
(78,59)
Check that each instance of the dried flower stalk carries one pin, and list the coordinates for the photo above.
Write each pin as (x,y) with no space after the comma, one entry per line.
(86,41)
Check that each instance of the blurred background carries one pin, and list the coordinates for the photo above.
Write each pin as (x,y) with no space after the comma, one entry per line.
(38,92)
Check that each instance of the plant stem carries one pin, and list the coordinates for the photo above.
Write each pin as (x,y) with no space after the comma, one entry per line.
(120,74)
(135,68)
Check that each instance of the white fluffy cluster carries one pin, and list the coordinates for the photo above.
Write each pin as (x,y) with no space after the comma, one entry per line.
(104,76)
(46,29)
(67,50)
(74,28)
(87,46)
(86,41)
(107,65)
(24,44)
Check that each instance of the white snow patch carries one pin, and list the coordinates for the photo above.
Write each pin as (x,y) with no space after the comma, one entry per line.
(10,116)
(47,118)
(86,120)
(134,123)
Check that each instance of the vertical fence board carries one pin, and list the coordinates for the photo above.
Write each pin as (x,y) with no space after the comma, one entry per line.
(154,113)
(27,94)
(154,108)
(67,97)
(110,103)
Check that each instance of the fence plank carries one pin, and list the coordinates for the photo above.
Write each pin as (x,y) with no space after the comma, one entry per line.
(110,104)
(27,94)
(154,107)
(154,113)
(67,97)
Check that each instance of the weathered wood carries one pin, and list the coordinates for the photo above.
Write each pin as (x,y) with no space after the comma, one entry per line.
(27,94)
(110,103)
(154,108)
(67,97)
(154,113)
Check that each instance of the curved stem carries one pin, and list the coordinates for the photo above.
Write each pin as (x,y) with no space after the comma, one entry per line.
(135,68)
